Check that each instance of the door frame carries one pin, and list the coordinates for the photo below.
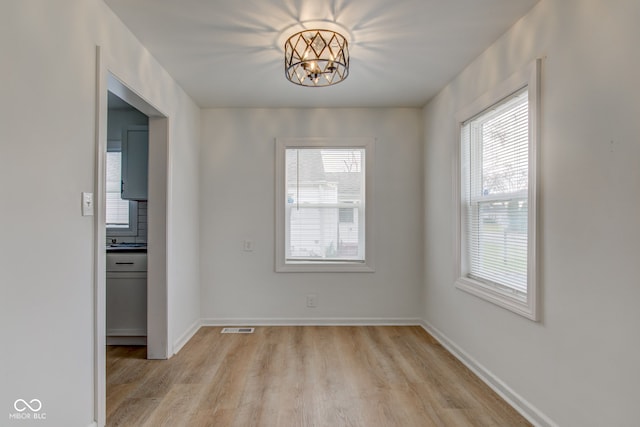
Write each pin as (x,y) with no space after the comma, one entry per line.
(157,209)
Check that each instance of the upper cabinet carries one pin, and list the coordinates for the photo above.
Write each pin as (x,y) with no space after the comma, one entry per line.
(135,162)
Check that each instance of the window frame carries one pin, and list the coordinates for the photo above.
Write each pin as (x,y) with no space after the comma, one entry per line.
(526,306)
(281,263)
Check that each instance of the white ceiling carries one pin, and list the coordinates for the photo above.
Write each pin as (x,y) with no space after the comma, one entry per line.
(227,53)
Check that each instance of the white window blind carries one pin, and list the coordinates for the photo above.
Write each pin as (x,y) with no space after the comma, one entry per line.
(495,206)
(117,210)
(324,204)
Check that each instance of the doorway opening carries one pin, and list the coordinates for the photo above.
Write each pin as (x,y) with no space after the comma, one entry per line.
(126,202)
(156,228)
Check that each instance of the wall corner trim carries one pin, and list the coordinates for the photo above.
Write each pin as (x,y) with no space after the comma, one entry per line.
(526,409)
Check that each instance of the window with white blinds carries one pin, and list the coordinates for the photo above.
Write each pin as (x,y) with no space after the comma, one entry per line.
(323,191)
(497,215)
(120,214)
(117,209)
(495,152)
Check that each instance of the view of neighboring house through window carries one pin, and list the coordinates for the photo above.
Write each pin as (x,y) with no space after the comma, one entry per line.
(325,190)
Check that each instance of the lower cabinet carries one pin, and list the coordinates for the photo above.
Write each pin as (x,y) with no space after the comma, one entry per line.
(126,299)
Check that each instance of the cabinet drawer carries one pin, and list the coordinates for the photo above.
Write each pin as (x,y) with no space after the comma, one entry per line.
(126,261)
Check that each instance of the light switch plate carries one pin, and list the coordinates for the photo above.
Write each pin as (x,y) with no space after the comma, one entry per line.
(87,204)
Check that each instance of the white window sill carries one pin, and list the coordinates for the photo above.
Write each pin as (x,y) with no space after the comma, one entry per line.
(503,298)
(324,267)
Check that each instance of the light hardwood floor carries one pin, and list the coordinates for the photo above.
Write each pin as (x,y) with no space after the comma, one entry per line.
(302,376)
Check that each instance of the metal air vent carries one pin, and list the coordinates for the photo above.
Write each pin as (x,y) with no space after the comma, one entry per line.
(237,330)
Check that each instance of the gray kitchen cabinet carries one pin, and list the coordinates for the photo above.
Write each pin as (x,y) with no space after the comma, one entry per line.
(126,298)
(135,163)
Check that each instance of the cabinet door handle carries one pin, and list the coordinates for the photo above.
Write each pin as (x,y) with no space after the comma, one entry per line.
(124,263)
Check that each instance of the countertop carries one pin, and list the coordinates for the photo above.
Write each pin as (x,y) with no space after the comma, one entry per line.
(127,247)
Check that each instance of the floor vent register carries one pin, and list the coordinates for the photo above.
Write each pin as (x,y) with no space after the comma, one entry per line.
(237,330)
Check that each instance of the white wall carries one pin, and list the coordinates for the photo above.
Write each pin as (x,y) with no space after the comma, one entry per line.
(579,365)
(47,158)
(237,203)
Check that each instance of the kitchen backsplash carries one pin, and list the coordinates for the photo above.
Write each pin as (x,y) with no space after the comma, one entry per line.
(142,223)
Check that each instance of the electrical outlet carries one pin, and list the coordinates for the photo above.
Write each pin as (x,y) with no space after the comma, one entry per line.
(247,246)
(312,301)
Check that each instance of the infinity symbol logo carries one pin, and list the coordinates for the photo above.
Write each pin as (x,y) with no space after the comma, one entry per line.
(21,405)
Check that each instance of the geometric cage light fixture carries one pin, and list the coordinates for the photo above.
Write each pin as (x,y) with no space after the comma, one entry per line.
(316,58)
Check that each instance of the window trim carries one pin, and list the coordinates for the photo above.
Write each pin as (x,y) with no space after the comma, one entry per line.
(281,264)
(528,307)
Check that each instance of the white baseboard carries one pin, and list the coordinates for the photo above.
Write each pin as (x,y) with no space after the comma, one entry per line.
(526,409)
(126,340)
(132,332)
(324,321)
(93,424)
(186,336)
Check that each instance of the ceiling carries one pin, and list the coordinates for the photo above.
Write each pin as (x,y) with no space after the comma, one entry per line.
(226,53)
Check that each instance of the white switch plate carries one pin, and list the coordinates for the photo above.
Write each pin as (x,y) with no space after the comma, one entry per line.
(87,204)
(247,246)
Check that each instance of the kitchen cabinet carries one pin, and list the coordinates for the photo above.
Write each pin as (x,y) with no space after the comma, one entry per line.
(135,163)
(126,298)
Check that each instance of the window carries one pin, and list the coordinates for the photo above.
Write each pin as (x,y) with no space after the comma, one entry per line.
(324,190)
(345,215)
(497,189)
(121,215)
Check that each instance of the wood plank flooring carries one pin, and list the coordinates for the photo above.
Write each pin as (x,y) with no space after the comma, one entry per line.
(306,376)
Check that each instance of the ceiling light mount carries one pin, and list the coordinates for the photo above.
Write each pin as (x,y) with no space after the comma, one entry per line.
(316,58)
